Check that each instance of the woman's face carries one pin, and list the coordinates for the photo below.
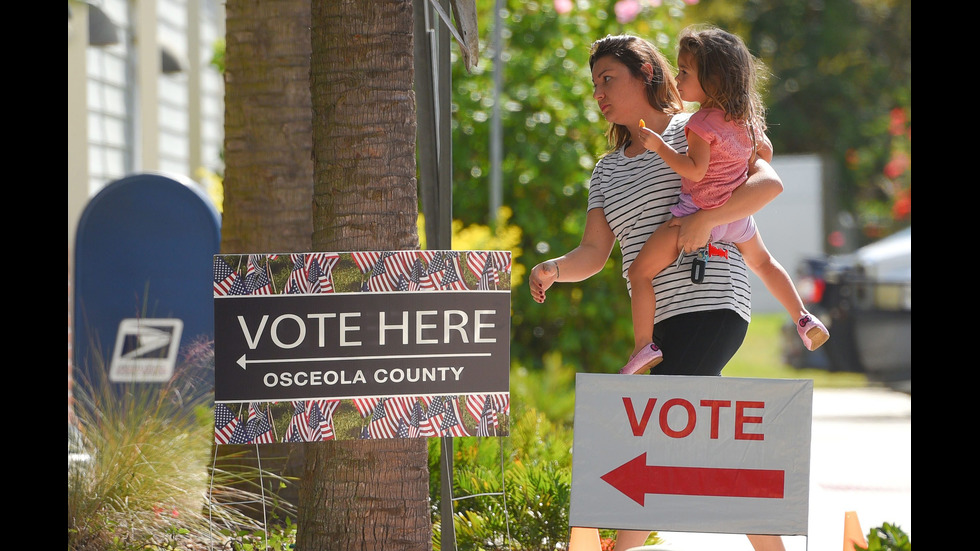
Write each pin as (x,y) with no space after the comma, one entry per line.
(621,96)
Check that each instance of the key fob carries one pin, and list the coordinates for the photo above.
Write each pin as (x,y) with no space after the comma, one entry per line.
(698,266)
(697,270)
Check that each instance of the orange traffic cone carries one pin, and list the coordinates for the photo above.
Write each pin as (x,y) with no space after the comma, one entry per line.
(852,532)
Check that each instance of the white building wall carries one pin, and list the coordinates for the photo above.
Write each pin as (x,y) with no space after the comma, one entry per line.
(135,117)
(212,87)
(110,103)
(792,224)
(173,113)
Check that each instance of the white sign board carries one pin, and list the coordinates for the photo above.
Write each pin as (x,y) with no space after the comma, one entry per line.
(146,350)
(699,454)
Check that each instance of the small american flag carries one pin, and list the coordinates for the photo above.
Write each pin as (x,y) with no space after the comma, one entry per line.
(257,277)
(225,424)
(297,430)
(240,435)
(257,428)
(475,404)
(314,419)
(297,277)
(452,424)
(488,423)
(416,276)
(365,261)
(365,406)
(224,277)
(323,264)
(414,421)
(382,425)
(326,409)
(431,423)
(490,277)
(389,268)
(400,407)
(402,429)
(476,261)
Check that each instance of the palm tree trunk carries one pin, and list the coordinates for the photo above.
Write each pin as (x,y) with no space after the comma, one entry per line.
(365,194)
(268,184)
(268,131)
(365,494)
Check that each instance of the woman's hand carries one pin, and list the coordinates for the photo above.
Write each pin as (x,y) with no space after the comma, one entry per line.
(541,278)
(693,231)
(763,186)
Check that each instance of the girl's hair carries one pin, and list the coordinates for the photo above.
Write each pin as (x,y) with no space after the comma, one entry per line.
(634,52)
(729,75)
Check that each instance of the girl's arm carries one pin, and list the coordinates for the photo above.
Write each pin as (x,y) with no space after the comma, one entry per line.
(762,186)
(765,149)
(579,263)
(692,166)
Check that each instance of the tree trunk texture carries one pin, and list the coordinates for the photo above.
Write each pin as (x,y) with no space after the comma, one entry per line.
(364,495)
(268,182)
(365,195)
(268,128)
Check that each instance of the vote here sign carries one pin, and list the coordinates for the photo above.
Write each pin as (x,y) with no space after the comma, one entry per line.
(361,344)
(413,324)
(323,346)
(699,454)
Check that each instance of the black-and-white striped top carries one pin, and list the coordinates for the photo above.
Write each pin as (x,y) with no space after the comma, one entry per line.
(635,194)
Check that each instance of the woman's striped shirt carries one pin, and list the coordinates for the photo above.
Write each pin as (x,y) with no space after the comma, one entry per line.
(635,194)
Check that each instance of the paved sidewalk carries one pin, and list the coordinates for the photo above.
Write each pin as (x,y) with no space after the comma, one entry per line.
(860,460)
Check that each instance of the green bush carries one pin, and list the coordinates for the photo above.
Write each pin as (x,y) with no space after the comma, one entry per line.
(145,477)
(888,537)
(536,465)
(537,480)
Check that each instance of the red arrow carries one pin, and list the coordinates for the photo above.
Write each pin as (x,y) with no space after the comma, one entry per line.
(636,479)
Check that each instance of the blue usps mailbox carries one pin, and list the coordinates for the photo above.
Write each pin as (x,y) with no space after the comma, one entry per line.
(143,276)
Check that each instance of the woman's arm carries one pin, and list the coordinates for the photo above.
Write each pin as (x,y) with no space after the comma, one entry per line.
(579,263)
(762,186)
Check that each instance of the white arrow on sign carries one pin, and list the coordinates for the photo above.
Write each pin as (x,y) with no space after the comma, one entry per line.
(242,362)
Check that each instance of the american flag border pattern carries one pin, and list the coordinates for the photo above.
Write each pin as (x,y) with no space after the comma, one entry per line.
(419,416)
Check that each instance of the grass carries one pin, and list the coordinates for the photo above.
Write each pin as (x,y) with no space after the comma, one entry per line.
(760,356)
(147,475)
(146,480)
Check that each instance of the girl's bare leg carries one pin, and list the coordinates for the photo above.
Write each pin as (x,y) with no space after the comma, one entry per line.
(587,539)
(584,539)
(772,273)
(766,543)
(657,253)
(627,539)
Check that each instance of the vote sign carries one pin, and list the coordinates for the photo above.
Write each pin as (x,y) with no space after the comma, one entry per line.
(703,454)
(361,324)
(285,347)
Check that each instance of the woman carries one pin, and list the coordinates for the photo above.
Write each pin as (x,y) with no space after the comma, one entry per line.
(630,194)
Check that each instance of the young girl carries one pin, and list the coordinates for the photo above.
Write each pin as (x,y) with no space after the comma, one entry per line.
(715,70)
